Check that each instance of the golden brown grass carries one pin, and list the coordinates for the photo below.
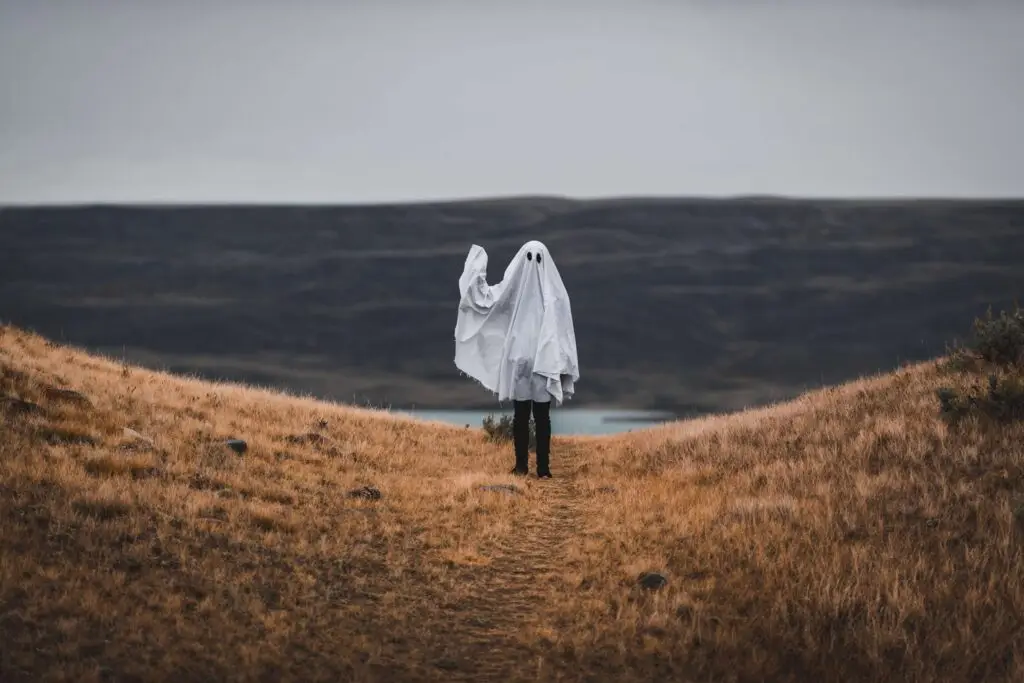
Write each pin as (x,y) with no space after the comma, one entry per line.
(849,535)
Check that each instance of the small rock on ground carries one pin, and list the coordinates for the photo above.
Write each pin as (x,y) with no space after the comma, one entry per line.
(367,492)
(652,580)
(501,488)
(237,445)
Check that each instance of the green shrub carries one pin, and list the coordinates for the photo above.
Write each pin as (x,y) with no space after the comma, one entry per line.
(994,341)
(997,345)
(501,430)
(961,359)
(1000,340)
(1002,400)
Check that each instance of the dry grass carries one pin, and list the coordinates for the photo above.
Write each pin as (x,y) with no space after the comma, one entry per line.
(850,535)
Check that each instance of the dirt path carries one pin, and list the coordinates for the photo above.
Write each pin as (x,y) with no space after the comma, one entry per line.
(482,644)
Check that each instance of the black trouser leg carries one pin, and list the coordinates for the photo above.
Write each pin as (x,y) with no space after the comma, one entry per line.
(542,419)
(521,435)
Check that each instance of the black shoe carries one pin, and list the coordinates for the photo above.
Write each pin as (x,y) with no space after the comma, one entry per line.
(543,475)
(518,472)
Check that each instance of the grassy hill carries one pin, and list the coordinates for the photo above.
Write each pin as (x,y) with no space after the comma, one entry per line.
(853,534)
(687,305)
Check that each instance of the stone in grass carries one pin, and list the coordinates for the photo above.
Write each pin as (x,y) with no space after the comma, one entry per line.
(501,488)
(237,445)
(652,581)
(366,492)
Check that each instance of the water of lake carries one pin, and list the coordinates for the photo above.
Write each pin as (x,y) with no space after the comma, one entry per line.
(564,421)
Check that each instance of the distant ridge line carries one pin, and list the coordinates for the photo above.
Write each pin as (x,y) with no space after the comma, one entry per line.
(499,200)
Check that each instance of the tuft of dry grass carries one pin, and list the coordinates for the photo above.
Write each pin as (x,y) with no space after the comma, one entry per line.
(850,535)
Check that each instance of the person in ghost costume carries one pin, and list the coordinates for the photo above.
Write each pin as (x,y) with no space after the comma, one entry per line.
(516,338)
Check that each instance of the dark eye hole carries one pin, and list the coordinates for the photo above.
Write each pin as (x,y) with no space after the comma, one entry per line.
(538,258)
(529,256)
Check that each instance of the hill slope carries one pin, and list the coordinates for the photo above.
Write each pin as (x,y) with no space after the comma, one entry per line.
(849,535)
(687,305)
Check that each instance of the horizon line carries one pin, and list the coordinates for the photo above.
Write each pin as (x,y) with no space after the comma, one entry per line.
(495,199)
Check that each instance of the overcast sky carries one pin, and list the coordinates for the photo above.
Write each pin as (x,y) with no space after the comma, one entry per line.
(109,100)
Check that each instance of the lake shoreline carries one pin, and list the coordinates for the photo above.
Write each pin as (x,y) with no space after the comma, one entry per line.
(564,421)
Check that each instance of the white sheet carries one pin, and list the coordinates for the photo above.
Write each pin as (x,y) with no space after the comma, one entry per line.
(516,337)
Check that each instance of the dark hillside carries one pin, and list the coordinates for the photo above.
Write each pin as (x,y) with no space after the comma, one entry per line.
(691,305)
